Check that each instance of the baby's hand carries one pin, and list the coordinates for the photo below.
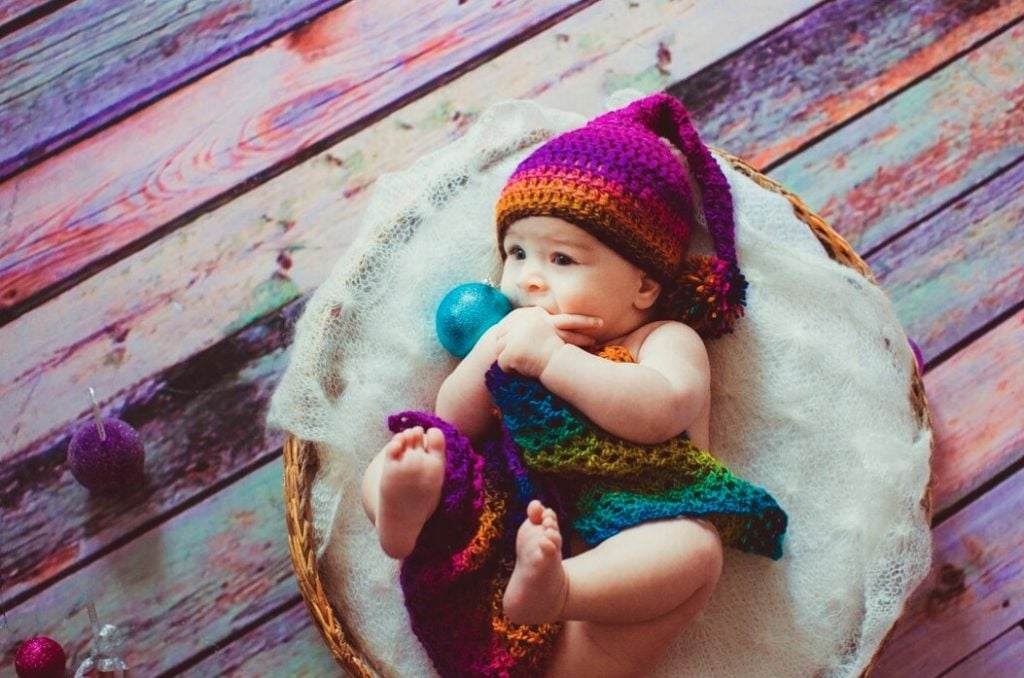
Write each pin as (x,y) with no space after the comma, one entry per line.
(528,337)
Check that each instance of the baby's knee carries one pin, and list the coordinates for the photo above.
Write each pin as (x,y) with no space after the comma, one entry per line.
(706,551)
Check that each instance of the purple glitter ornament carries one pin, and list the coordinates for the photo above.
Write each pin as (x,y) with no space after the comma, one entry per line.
(106,454)
(40,657)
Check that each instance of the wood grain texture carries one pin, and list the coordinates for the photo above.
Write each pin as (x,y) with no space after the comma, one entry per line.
(288,645)
(1004,656)
(976,399)
(122,184)
(961,267)
(178,589)
(70,73)
(12,10)
(972,108)
(974,592)
(185,337)
(202,423)
(775,96)
(278,241)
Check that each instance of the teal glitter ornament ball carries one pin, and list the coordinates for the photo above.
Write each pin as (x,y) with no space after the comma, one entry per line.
(466,313)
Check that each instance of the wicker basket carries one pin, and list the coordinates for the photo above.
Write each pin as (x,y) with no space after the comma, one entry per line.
(300,462)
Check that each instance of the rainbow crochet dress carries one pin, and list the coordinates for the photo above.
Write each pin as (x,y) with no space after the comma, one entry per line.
(455,578)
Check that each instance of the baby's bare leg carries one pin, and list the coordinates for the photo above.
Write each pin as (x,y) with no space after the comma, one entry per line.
(402,487)
(624,601)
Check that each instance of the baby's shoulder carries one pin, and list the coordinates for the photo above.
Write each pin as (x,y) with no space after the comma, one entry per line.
(668,340)
(667,331)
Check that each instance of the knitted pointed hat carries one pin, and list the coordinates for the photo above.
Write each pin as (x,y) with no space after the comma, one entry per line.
(619,179)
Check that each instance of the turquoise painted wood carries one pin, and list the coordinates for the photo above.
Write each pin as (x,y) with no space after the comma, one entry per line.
(281,247)
(962,265)
(190,583)
(285,646)
(165,257)
(973,112)
(184,415)
(94,347)
(797,85)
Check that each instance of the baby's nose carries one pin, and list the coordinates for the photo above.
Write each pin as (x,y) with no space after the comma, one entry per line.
(531,280)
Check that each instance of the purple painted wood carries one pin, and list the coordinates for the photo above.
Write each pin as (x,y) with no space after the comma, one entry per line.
(74,71)
(974,244)
(1004,656)
(952,275)
(943,135)
(74,351)
(974,592)
(77,542)
(202,425)
(976,399)
(287,645)
(202,578)
(779,94)
(126,183)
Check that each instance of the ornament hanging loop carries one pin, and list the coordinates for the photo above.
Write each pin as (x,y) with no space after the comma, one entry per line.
(96,415)
(106,642)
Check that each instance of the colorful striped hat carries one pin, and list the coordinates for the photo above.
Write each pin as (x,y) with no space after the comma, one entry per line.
(619,179)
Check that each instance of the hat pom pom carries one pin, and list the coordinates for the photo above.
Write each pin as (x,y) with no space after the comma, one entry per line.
(712,293)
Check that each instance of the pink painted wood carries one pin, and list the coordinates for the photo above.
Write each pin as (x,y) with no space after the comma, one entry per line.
(975,591)
(12,10)
(125,183)
(282,247)
(113,57)
(107,349)
(900,120)
(1002,657)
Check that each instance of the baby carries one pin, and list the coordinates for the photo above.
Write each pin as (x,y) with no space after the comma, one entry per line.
(594,228)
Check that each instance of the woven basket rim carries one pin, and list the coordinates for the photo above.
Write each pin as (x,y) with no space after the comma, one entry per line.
(301,462)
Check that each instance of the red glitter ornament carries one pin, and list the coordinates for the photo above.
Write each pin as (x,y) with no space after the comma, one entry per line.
(106,454)
(40,657)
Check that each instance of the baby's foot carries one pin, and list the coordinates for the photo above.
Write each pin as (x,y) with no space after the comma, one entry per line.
(538,587)
(410,487)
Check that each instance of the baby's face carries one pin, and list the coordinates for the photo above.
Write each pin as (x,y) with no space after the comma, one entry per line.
(563,269)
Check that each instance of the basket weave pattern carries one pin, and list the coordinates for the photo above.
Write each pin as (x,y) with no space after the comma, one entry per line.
(300,460)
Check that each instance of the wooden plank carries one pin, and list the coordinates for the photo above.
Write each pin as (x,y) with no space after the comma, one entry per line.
(288,645)
(201,423)
(911,155)
(976,398)
(193,582)
(12,10)
(72,72)
(974,592)
(192,146)
(1004,656)
(773,98)
(277,242)
(961,267)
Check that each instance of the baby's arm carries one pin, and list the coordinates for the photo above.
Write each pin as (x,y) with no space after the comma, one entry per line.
(463,399)
(648,402)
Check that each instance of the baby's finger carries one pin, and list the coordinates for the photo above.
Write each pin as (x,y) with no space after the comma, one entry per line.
(575,321)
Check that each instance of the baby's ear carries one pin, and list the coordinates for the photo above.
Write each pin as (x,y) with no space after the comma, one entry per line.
(647,294)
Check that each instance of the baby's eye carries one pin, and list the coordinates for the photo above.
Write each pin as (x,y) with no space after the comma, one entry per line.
(560,259)
(516,252)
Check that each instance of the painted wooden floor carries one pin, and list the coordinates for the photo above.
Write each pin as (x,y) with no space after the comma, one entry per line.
(176,177)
